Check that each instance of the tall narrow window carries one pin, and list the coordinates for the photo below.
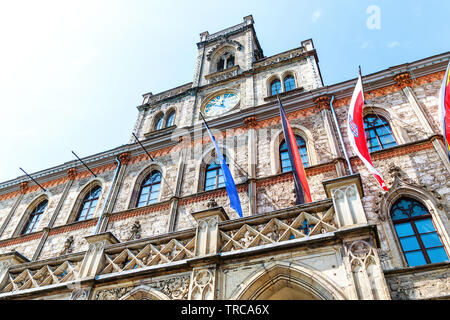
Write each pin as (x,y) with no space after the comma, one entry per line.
(226,61)
(89,203)
(275,87)
(170,119)
(284,155)
(150,189)
(35,216)
(159,122)
(415,230)
(289,83)
(378,133)
(214,176)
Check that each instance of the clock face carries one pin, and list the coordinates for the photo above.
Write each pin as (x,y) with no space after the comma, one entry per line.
(221,104)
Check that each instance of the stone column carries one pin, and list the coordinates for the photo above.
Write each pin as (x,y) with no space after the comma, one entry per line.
(346,193)
(23,189)
(323,103)
(404,82)
(124,159)
(176,196)
(6,261)
(207,236)
(364,267)
(94,258)
(250,124)
(71,173)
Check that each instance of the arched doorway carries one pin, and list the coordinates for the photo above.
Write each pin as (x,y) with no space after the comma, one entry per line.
(281,281)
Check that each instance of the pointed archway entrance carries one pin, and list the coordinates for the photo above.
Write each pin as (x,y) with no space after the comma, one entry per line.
(281,281)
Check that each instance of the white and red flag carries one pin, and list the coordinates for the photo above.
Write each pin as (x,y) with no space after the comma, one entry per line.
(444,109)
(356,133)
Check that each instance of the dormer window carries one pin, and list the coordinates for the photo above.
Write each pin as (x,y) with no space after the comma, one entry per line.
(226,61)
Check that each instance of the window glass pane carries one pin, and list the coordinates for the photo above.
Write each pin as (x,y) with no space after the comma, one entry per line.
(418,210)
(409,243)
(211,174)
(404,229)
(431,240)
(145,190)
(415,258)
(156,187)
(425,225)
(437,255)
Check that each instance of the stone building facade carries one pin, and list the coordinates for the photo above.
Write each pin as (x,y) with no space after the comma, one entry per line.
(183,241)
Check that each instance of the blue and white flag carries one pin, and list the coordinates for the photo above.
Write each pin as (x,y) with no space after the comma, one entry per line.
(235,203)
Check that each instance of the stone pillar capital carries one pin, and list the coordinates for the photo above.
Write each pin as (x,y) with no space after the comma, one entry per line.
(207,238)
(323,102)
(23,187)
(124,158)
(250,122)
(72,173)
(403,80)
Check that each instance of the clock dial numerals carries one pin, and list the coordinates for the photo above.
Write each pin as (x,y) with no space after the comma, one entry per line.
(221,104)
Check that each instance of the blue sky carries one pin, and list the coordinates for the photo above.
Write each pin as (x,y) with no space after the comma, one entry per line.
(72,73)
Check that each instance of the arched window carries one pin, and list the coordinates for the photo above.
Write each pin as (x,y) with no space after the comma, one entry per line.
(159,122)
(378,133)
(89,203)
(150,189)
(34,217)
(415,230)
(284,155)
(226,61)
(289,83)
(275,87)
(214,176)
(170,119)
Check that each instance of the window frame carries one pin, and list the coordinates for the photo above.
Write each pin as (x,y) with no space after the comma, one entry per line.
(85,200)
(289,76)
(386,124)
(417,235)
(272,82)
(147,177)
(306,151)
(31,215)
(217,169)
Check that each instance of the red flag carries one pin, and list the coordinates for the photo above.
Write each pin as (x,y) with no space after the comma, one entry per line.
(444,109)
(356,134)
(300,181)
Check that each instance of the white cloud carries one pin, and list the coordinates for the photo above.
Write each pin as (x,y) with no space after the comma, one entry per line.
(316,15)
(393,44)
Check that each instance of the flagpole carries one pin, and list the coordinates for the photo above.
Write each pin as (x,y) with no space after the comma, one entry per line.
(340,136)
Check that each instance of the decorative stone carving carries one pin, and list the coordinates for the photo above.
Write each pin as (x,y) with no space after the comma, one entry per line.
(403,80)
(175,288)
(212,203)
(72,173)
(112,294)
(221,43)
(67,246)
(23,187)
(124,158)
(135,231)
(202,285)
(250,122)
(323,102)
(80,294)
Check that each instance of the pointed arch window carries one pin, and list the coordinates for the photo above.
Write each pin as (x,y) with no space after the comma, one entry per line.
(284,155)
(378,133)
(226,61)
(159,122)
(89,204)
(150,189)
(415,230)
(170,119)
(289,83)
(35,217)
(214,176)
(275,87)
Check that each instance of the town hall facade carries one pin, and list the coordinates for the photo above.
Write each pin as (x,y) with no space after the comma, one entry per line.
(151,219)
